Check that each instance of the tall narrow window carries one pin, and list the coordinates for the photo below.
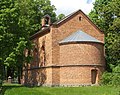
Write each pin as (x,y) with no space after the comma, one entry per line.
(43,54)
(36,59)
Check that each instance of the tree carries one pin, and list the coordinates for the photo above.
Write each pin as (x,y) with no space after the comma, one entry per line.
(19,19)
(33,10)
(6,31)
(106,15)
(60,16)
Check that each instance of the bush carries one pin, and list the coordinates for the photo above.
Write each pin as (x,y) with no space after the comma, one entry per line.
(116,79)
(112,78)
(106,78)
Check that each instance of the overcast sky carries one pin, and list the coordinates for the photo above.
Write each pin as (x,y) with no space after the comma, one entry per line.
(68,6)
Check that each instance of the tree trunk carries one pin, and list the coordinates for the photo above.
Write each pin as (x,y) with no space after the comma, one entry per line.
(19,75)
(1,74)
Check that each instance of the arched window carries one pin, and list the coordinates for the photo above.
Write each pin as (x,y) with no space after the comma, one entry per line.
(36,55)
(36,58)
(42,54)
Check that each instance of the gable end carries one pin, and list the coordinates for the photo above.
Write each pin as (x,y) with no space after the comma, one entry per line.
(64,20)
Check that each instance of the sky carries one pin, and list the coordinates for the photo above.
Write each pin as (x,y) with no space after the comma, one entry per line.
(68,6)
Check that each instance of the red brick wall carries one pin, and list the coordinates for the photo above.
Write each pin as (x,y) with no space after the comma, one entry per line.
(56,76)
(76,54)
(47,39)
(82,53)
(67,29)
(34,74)
(75,76)
(79,60)
(70,54)
(37,77)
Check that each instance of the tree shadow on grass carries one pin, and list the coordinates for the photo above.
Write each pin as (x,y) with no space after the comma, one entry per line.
(16,86)
(9,86)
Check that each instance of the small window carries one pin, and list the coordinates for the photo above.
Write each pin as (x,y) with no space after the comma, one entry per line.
(80,18)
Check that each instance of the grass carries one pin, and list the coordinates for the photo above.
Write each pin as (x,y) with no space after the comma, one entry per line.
(91,90)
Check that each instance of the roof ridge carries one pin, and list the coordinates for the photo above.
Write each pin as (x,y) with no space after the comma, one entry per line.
(57,22)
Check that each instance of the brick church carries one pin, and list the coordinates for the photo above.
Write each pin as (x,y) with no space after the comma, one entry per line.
(69,52)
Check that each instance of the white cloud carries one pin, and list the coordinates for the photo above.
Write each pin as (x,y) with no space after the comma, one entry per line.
(68,6)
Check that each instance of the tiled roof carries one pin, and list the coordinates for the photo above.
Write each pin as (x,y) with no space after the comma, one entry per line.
(79,36)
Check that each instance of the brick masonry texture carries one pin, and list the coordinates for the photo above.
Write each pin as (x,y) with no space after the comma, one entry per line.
(77,75)
(83,53)
(67,29)
(70,64)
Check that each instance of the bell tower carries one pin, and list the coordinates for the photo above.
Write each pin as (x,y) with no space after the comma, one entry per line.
(46,21)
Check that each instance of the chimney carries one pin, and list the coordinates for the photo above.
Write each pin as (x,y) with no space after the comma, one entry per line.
(46,21)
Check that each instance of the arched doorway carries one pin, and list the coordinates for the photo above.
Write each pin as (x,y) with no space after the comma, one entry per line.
(93,76)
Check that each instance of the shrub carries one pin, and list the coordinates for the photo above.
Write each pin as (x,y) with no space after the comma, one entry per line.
(112,78)
(116,77)
(106,78)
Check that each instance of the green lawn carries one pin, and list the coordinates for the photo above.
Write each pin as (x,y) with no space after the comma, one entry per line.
(91,90)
